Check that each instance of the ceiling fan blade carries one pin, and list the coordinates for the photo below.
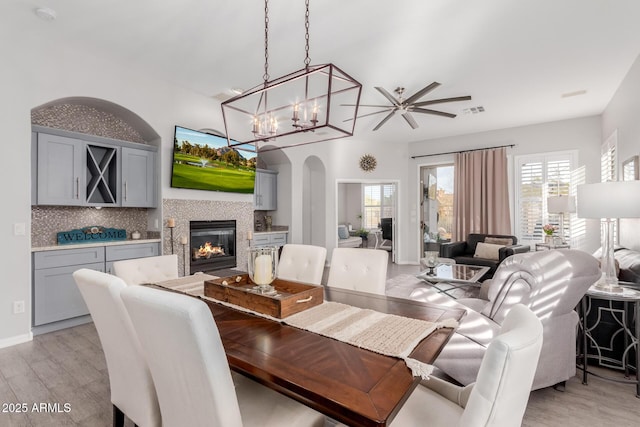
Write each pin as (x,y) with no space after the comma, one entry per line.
(387,117)
(371,114)
(409,118)
(422,92)
(434,112)
(387,95)
(442,100)
(366,105)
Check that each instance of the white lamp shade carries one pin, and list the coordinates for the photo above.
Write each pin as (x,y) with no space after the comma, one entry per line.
(615,199)
(561,204)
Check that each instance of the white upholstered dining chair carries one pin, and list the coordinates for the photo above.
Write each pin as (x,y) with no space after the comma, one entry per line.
(147,270)
(359,269)
(132,390)
(499,397)
(302,263)
(190,369)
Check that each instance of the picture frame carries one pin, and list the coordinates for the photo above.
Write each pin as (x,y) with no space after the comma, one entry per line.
(630,169)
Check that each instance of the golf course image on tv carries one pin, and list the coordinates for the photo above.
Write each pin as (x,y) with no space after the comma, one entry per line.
(203,161)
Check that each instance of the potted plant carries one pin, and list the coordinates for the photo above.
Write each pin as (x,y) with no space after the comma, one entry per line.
(364,234)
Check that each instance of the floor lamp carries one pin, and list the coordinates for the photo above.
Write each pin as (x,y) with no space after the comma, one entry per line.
(561,205)
(609,200)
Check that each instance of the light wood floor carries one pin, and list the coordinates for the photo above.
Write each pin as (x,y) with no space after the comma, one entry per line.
(68,366)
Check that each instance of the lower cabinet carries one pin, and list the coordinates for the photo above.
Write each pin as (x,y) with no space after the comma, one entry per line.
(270,239)
(57,302)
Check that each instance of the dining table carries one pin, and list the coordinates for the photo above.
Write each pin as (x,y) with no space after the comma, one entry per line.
(349,384)
(352,385)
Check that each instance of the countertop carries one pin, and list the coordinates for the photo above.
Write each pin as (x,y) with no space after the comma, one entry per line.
(275,229)
(93,245)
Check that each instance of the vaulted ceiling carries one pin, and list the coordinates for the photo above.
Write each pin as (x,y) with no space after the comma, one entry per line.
(524,62)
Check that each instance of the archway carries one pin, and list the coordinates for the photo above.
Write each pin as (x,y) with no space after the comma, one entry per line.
(314,201)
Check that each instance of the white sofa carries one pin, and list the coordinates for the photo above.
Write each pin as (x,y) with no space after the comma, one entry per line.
(347,241)
(551,283)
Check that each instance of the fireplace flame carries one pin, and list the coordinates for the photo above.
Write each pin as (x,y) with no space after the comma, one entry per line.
(208,250)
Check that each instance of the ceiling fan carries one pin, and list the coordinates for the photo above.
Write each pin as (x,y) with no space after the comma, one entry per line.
(410,105)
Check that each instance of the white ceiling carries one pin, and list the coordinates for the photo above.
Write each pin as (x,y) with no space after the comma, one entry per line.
(515,58)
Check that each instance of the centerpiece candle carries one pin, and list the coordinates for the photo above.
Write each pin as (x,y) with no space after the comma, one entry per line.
(262,271)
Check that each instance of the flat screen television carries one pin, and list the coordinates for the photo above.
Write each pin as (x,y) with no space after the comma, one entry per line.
(203,161)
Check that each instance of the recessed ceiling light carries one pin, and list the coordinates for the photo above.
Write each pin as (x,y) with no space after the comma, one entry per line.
(237,90)
(45,13)
(576,93)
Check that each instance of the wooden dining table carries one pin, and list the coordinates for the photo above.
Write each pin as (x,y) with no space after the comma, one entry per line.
(352,385)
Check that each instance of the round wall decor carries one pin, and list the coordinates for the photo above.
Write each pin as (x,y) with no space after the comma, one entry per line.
(368,163)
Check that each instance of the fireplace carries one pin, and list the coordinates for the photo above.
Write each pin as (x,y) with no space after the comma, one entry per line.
(213,245)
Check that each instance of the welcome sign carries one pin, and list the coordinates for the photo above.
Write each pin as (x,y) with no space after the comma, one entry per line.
(92,234)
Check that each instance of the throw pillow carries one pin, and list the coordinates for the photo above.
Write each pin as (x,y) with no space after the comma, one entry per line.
(505,241)
(488,251)
(343,232)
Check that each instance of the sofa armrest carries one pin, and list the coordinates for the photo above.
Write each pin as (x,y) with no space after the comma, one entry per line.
(507,251)
(452,249)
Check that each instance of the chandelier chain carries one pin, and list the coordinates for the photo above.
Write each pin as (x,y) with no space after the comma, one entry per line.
(266,41)
(307,60)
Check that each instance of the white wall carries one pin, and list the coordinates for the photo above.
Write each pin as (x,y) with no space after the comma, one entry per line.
(578,134)
(622,114)
(36,71)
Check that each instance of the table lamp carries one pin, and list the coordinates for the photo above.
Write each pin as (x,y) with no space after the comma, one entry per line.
(609,200)
(561,205)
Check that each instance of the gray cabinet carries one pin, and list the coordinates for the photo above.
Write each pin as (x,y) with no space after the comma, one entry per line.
(138,178)
(57,301)
(265,190)
(85,170)
(55,294)
(60,171)
(269,239)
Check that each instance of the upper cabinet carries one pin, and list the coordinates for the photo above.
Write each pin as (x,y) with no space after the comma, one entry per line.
(265,190)
(60,171)
(138,178)
(72,171)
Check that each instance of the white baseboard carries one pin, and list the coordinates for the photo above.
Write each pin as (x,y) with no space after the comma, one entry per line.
(18,339)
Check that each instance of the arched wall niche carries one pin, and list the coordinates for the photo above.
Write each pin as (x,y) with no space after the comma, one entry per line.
(95,116)
(279,161)
(313,202)
(98,117)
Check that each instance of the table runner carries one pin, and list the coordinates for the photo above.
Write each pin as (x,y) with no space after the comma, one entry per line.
(383,333)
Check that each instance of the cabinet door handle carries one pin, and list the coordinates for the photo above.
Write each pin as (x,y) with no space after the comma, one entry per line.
(77,187)
(125,191)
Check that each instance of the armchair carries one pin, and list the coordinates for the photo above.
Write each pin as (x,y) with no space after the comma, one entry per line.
(495,248)
(551,283)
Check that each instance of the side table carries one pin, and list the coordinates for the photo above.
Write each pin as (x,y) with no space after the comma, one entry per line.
(549,246)
(627,318)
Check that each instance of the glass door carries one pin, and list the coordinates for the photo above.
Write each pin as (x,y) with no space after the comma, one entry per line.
(436,206)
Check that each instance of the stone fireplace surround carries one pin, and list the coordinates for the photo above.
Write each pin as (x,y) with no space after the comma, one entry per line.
(184,211)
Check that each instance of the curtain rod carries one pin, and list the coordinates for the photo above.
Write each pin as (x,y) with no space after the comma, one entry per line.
(464,151)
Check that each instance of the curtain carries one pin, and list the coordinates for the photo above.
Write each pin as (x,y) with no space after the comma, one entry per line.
(481,194)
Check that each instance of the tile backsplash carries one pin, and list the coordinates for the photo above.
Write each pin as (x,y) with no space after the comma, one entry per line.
(47,221)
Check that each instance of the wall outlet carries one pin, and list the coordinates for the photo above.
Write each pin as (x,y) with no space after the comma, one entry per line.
(19,229)
(18,307)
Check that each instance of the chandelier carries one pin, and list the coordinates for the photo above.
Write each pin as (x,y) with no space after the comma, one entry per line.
(316,103)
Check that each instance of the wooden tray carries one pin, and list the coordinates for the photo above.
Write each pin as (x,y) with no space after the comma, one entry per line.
(291,297)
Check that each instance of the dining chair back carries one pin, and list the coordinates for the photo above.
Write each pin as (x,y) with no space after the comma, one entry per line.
(499,397)
(302,263)
(147,270)
(359,269)
(132,390)
(190,370)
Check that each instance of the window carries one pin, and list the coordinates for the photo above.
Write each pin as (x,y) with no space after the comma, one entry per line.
(538,177)
(378,201)
(609,168)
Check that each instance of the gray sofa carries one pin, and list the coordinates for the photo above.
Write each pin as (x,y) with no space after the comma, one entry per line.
(463,252)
